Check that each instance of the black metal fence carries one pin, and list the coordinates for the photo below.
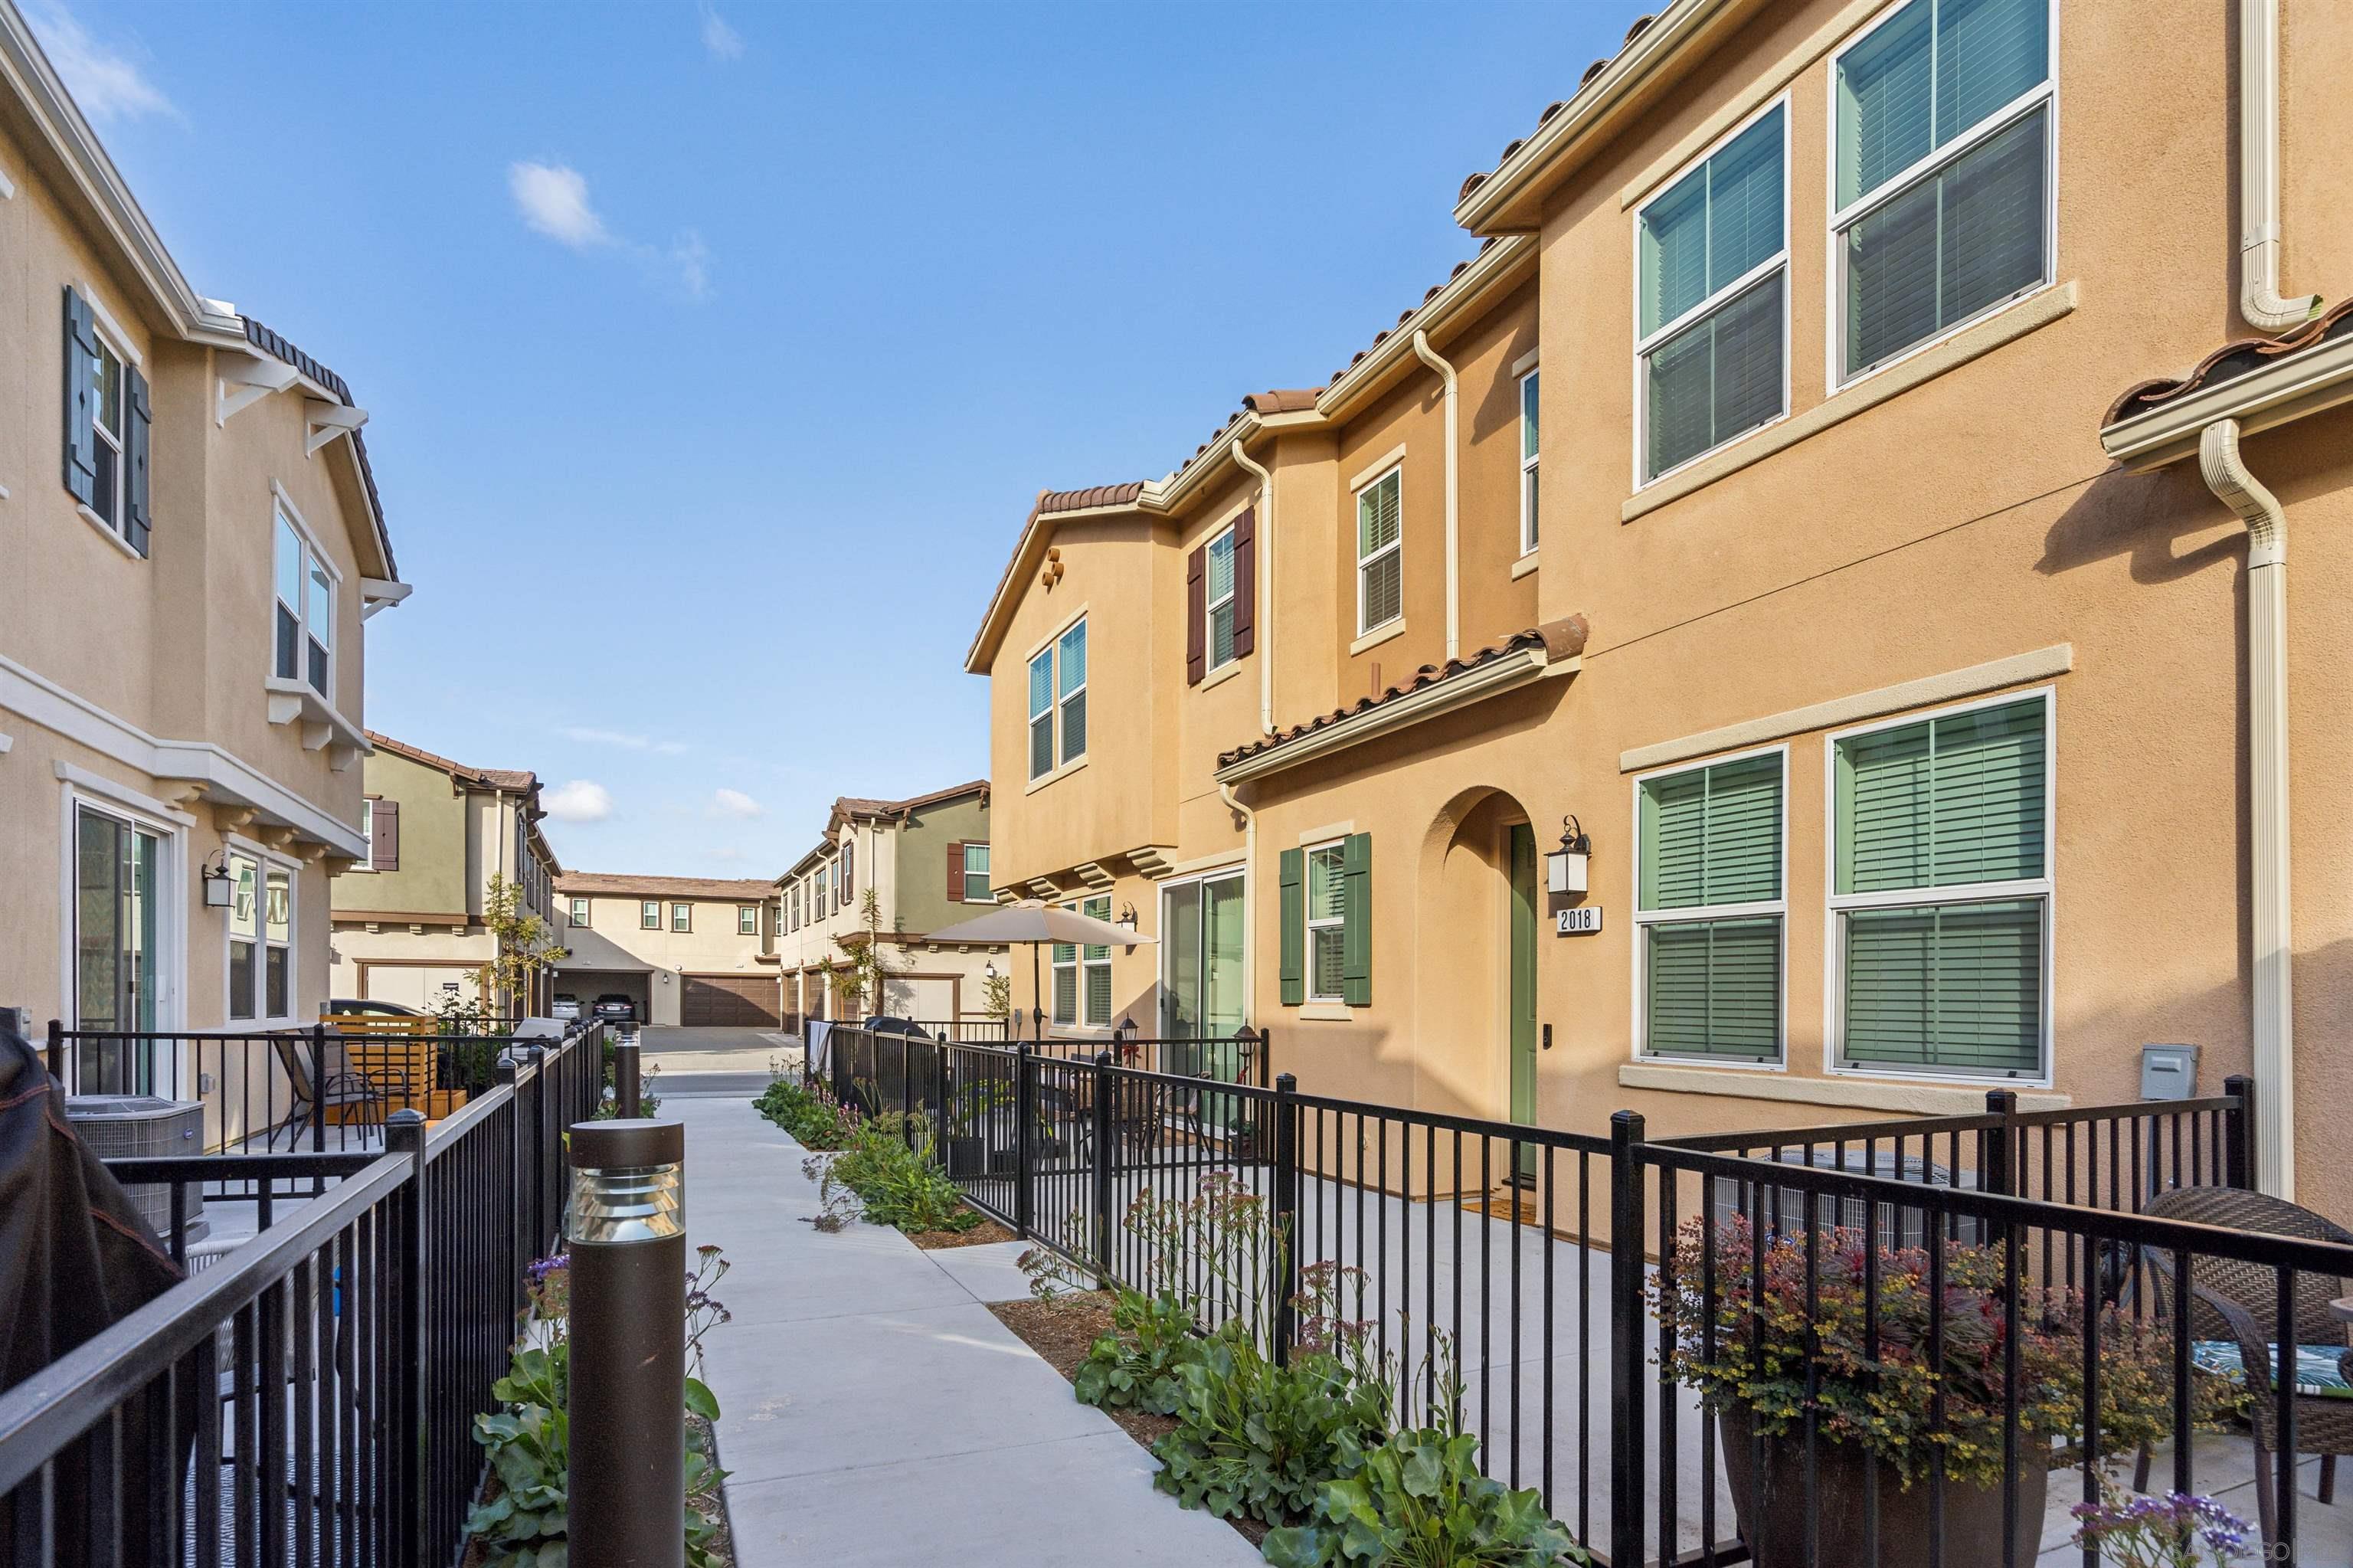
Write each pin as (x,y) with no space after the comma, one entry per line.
(1581,1302)
(310,1397)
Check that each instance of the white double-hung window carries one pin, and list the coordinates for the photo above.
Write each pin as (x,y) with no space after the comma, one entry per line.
(1942,180)
(1220,600)
(1380,552)
(1710,907)
(305,618)
(1712,306)
(1940,893)
(1058,701)
(1527,462)
(1082,973)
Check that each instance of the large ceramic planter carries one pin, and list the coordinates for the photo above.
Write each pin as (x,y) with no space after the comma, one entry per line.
(1972,1532)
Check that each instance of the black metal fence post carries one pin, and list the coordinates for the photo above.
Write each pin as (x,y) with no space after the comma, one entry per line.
(2239,1148)
(1264,1048)
(1104,1158)
(626,1239)
(942,1130)
(626,1085)
(411,1432)
(1995,1145)
(1025,1140)
(906,1094)
(1284,1265)
(1626,1363)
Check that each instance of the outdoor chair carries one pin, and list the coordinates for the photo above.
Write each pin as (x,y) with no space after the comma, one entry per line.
(2233,1321)
(345,1086)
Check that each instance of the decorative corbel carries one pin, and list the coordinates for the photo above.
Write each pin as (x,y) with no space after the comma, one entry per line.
(234,819)
(327,420)
(245,380)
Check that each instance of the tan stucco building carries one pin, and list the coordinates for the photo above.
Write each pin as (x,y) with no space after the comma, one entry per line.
(192,540)
(693,950)
(926,860)
(1923,744)
(408,915)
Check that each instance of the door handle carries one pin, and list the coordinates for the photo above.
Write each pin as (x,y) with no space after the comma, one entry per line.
(1547,1036)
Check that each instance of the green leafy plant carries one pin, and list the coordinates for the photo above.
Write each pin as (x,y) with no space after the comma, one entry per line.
(1419,1502)
(1139,1364)
(529,1445)
(811,1116)
(890,1168)
(526,945)
(1257,1440)
(1879,1399)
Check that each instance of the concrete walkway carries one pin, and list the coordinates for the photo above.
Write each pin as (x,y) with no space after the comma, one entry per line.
(876,1412)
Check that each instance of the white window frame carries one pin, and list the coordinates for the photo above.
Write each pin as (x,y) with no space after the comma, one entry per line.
(367,829)
(82,792)
(1691,914)
(1836,904)
(284,509)
(1835,375)
(1081,965)
(1310,924)
(112,337)
(1050,649)
(1210,606)
(753,911)
(1232,871)
(1644,344)
(681,928)
(1529,459)
(264,861)
(965,872)
(1395,546)
(577,909)
(652,906)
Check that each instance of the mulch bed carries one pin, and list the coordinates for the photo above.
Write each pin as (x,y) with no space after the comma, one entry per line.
(1062,1331)
(981,1234)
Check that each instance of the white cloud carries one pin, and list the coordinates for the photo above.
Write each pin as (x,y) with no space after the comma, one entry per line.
(105,83)
(723,41)
(581,800)
(587,736)
(688,256)
(734,803)
(553,199)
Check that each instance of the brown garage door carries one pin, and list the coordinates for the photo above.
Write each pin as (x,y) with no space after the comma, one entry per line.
(734,1001)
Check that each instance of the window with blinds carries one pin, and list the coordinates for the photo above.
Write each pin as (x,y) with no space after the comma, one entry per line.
(1041,715)
(1713,287)
(1710,908)
(1941,890)
(1943,170)
(1380,553)
(1082,973)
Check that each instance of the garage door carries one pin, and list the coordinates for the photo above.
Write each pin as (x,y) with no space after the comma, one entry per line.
(736,1002)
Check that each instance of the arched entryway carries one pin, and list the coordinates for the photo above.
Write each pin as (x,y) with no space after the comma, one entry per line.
(1476,935)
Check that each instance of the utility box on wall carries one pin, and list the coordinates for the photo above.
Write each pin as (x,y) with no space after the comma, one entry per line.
(2168,1072)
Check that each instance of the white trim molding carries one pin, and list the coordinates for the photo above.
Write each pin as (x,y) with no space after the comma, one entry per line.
(1855,1094)
(2286,390)
(2017,670)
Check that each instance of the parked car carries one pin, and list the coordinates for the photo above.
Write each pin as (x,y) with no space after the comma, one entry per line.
(614,1007)
(363,1007)
(566,1006)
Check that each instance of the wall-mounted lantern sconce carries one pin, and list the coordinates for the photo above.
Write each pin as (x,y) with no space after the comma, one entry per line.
(218,885)
(1126,921)
(988,970)
(1567,866)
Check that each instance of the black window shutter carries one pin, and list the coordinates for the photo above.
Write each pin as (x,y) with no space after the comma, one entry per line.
(1197,615)
(1246,582)
(136,521)
(384,842)
(81,399)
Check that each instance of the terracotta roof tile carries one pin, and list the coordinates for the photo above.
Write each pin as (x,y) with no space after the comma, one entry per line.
(745,889)
(867,806)
(271,344)
(1094,496)
(516,779)
(1559,639)
(2233,360)
(1478,177)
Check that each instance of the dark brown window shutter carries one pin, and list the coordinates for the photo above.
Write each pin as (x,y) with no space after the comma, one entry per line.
(1246,582)
(1197,615)
(385,843)
(955,874)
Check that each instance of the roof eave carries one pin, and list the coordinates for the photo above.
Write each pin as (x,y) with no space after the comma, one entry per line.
(1498,268)
(2277,394)
(1494,678)
(1001,603)
(1509,200)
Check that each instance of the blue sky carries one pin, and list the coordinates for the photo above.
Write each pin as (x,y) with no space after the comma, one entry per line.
(714,354)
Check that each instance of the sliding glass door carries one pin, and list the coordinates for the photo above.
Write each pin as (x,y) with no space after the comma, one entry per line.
(1204,993)
(117,912)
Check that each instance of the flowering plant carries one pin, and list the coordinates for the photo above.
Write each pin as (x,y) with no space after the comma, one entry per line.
(1756,1347)
(2175,1531)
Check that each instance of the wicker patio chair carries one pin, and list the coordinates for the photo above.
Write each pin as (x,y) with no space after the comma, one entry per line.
(2240,1302)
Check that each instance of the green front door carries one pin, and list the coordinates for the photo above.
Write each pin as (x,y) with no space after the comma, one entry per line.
(1523,981)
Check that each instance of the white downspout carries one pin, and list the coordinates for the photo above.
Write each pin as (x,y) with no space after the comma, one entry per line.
(1453,500)
(2258,196)
(1249,891)
(2273,1020)
(1261,613)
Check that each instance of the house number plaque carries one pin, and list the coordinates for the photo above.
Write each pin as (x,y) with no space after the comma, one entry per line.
(1583,920)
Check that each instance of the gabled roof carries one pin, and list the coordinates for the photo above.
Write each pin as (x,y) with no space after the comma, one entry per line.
(277,347)
(865,808)
(735,889)
(515,780)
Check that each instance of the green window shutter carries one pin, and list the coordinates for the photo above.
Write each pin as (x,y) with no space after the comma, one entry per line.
(1713,835)
(137,417)
(1943,802)
(1356,933)
(1712,988)
(81,399)
(1292,924)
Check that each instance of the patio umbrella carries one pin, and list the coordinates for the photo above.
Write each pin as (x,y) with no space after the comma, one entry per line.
(1036,923)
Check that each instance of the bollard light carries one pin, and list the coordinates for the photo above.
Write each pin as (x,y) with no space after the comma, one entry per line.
(625,1228)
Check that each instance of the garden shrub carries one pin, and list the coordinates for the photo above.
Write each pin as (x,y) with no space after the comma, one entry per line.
(812,1118)
(1419,1502)
(1258,1440)
(894,1181)
(1139,1364)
